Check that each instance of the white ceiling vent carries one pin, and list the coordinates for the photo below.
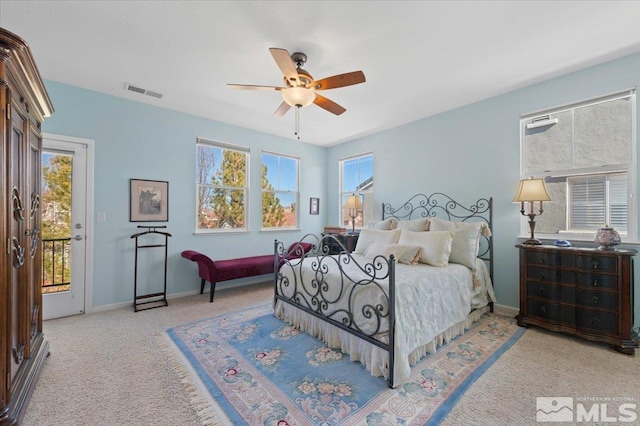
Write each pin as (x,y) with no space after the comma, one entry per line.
(137,89)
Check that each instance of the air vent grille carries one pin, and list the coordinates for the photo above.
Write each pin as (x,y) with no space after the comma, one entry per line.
(137,89)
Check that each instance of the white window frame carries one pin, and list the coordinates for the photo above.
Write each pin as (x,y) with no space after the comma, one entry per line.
(630,168)
(224,147)
(366,195)
(279,191)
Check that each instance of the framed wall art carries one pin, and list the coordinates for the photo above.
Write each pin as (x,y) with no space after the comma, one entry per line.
(149,200)
(314,205)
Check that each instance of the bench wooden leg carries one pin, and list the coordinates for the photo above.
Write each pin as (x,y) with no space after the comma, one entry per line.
(202,285)
(213,289)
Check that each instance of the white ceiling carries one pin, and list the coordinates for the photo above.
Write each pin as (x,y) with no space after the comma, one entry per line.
(419,58)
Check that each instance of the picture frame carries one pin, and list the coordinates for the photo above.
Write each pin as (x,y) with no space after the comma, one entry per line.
(314,205)
(148,200)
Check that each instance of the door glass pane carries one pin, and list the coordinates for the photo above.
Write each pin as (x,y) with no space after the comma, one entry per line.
(56,222)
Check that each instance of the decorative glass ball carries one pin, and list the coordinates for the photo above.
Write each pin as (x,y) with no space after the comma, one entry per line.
(608,238)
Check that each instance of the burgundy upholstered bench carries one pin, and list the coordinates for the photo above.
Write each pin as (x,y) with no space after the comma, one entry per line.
(230,269)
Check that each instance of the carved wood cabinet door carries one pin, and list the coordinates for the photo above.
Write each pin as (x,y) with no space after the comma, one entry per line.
(17,227)
(24,104)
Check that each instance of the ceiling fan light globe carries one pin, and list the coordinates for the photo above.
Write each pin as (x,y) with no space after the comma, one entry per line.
(301,96)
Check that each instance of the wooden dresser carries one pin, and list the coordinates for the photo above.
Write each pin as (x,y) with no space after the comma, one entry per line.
(581,291)
(24,104)
(348,241)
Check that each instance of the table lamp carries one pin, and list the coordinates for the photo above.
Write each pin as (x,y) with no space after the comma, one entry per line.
(354,203)
(531,190)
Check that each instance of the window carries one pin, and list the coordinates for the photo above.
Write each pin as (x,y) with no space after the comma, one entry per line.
(356,177)
(280,197)
(222,187)
(586,153)
(598,199)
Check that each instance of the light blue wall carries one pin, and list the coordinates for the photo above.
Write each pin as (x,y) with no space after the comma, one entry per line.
(474,151)
(468,152)
(135,140)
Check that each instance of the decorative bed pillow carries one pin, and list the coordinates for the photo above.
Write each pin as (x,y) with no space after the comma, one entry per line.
(436,246)
(368,236)
(466,239)
(421,224)
(384,225)
(409,255)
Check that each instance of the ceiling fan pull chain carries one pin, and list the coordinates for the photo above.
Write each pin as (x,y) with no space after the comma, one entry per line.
(297,132)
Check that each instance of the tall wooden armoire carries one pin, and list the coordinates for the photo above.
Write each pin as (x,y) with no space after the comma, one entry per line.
(24,103)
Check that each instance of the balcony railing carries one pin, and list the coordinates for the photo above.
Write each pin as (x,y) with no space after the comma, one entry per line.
(56,264)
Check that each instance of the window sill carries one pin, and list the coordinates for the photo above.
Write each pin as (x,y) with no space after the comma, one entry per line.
(208,233)
(267,230)
(583,240)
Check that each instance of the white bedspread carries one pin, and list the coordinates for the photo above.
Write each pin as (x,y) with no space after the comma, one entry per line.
(432,307)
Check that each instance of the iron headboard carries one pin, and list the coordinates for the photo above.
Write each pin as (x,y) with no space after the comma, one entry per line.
(444,207)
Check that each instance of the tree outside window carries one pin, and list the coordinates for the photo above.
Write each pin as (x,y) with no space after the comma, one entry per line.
(280,196)
(56,222)
(222,187)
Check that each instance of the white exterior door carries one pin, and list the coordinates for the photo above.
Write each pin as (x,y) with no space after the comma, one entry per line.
(65,234)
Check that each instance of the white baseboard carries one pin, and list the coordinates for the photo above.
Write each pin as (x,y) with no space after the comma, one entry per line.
(219,286)
(119,305)
(508,311)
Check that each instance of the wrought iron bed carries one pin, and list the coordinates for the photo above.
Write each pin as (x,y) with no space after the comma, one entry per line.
(339,301)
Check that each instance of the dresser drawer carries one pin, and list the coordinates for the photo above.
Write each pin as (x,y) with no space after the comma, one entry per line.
(543,274)
(544,290)
(597,321)
(542,258)
(546,310)
(594,281)
(597,299)
(597,263)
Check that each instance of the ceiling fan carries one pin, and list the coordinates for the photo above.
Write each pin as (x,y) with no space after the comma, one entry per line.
(300,89)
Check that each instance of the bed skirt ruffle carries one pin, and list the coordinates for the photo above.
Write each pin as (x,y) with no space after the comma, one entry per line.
(374,358)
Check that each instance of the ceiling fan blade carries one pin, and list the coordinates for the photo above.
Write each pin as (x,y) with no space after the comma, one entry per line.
(329,105)
(282,109)
(340,80)
(284,62)
(253,87)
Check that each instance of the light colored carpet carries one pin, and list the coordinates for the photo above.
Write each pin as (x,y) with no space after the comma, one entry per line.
(108,369)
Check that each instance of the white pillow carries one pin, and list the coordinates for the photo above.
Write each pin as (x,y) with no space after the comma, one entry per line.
(409,255)
(368,236)
(436,246)
(466,239)
(421,224)
(386,224)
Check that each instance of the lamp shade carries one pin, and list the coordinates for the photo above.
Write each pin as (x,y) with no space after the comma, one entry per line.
(532,190)
(295,96)
(353,202)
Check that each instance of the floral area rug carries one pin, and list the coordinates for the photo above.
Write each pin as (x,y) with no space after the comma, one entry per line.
(248,367)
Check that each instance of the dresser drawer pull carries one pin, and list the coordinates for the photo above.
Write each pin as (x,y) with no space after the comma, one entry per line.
(542,290)
(595,321)
(543,309)
(541,275)
(594,299)
(595,283)
(542,260)
(595,264)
